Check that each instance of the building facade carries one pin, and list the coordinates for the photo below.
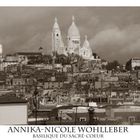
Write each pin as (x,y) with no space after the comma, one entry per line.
(13,110)
(133,63)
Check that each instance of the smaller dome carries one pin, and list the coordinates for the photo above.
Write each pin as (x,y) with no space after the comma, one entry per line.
(86,43)
(73,30)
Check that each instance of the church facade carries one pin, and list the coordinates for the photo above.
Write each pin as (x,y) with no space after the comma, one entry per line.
(73,42)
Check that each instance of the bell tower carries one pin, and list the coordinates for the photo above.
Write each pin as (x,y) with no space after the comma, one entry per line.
(57,43)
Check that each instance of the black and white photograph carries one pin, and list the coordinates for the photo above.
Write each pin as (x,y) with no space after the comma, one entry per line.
(69,65)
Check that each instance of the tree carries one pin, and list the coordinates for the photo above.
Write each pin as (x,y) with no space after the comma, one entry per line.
(47,59)
(61,59)
(76,59)
(113,65)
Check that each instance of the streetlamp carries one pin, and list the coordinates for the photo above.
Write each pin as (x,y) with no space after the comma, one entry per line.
(91,115)
(60,117)
(75,115)
(101,86)
(35,98)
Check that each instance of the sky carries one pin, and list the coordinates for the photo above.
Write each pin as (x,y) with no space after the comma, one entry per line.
(113,32)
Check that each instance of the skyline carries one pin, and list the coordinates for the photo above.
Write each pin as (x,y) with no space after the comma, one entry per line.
(114,31)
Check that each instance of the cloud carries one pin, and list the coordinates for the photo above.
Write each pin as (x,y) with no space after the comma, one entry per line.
(117,43)
(114,33)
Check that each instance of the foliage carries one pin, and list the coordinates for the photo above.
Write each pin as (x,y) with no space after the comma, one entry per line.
(114,65)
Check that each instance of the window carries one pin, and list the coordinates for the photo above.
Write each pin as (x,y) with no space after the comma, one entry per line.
(131,119)
(75,41)
(82,119)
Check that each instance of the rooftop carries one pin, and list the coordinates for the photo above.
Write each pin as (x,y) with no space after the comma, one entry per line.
(29,53)
(11,99)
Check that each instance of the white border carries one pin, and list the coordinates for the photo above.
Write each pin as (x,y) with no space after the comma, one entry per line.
(69,2)
(134,133)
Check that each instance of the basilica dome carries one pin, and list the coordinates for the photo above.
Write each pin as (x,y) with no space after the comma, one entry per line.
(73,30)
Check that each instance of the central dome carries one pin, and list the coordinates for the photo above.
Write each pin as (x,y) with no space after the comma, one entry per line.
(73,30)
